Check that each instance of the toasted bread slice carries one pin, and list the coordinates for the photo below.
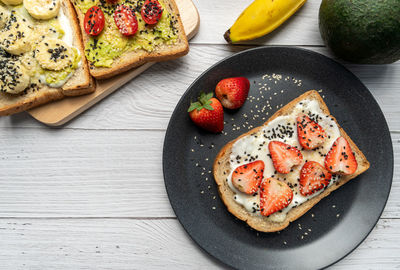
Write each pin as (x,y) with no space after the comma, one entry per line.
(138,57)
(80,83)
(222,169)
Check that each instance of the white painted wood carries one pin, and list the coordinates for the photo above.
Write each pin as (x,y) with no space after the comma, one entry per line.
(102,172)
(96,173)
(144,105)
(69,173)
(145,244)
(98,244)
(218,16)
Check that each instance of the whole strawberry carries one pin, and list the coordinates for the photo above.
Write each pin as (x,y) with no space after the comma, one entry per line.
(207,113)
(232,92)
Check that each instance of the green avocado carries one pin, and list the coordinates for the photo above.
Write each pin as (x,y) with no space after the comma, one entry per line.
(84,5)
(362,31)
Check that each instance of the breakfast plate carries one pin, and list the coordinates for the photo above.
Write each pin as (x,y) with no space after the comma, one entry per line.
(332,228)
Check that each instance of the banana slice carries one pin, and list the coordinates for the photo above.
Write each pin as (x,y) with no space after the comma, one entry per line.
(16,37)
(42,9)
(4,16)
(12,2)
(13,77)
(54,54)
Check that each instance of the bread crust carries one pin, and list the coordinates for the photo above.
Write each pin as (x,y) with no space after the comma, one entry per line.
(261,223)
(81,78)
(136,58)
(79,84)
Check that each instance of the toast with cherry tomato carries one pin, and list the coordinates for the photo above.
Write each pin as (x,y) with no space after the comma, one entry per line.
(340,162)
(123,34)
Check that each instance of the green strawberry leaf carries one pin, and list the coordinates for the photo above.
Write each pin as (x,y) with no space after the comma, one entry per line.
(204,102)
(208,107)
(203,98)
(195,105)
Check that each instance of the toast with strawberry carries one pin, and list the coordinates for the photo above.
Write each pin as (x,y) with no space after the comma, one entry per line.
(273,174)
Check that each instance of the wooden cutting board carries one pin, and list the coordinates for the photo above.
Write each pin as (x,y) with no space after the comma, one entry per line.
(59,112)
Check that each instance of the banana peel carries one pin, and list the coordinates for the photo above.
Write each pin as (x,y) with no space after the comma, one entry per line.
(261,18)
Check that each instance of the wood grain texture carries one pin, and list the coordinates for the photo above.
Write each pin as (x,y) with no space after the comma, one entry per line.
(62,111)
(96,173)
(145,244)
(97,170)
(75,173)
(143,105)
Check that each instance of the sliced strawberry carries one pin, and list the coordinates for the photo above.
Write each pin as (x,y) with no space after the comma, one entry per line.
(247,178)
(274,196)
(311,135)
(284,156)
(340,159)
(313,177)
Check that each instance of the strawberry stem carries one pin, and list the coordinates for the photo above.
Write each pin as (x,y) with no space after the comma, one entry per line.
(202,103)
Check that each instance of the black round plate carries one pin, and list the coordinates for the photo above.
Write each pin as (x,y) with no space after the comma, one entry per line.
(332,228)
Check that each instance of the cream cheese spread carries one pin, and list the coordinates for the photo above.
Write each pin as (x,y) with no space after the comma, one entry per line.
(283,128)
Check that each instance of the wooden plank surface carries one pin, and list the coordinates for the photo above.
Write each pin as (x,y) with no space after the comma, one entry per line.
(96,173)
(140,105)
(77,197)
(38,244)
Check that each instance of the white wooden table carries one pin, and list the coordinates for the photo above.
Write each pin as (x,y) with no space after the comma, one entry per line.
(90,195)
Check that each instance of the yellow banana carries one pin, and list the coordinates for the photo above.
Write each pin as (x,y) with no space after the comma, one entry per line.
(260,18)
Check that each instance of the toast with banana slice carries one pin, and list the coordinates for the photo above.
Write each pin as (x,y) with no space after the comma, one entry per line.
(120,35)
(273,174)
(41,54)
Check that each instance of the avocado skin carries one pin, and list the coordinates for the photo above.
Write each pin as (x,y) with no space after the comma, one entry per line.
(362,31)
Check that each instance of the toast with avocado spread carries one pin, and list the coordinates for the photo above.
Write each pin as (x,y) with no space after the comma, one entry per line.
(120,35)
(41,54)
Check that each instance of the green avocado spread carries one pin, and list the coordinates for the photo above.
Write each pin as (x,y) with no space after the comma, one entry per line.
(103,49)
(54,77)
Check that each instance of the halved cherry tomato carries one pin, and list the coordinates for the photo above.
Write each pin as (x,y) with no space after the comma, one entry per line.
(94,21)
(151,11)
(126,21)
